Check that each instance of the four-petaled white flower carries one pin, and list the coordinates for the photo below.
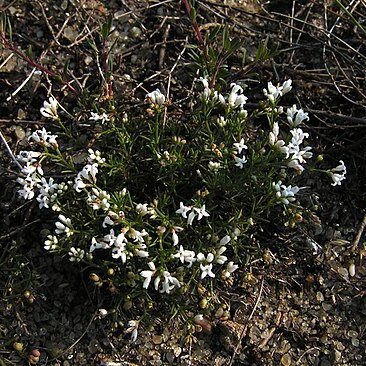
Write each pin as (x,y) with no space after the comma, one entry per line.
(240,146)
(206,271)
(185,256)
(183,210)
(239,162)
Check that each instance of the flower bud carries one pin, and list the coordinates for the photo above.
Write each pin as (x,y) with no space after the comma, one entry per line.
(94,277)
(18,346)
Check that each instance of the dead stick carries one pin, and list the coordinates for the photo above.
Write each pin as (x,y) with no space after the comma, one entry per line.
(359,234)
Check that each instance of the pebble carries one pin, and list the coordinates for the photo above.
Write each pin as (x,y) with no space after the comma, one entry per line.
(64,5)
(19,132)
(135,32)
(286,360)
(70,34)
(170,357)
(157,339)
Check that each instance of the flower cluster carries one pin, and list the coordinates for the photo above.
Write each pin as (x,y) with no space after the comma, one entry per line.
(295,154)
(273,93)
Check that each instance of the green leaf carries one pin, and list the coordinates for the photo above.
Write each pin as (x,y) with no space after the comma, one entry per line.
(106,28)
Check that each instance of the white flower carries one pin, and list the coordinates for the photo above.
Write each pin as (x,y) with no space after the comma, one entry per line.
(51,243)
(167,282)
(219,258)
(201,212)
(63,226)
(285,194)
(142,209)
(175,237)
(102,313)
(107,221)
(95,156)
(338,174)
(240,146)
(183,210)
(99,117)
(120,250)
(239,162)
(236,98)
(137,236)
(185,256)
(86,177)
(28,156)
(273,93)
(300,116)
(148,274)
(99,199)
(44,138)
(295,164)
(206,91)
(106,242)
(76,254)
(214,166)
(221,122)
(298,136)
(206,271)
(230,268)
(286,86)
(156,97)
(47,192)
(132,328)
(49,109)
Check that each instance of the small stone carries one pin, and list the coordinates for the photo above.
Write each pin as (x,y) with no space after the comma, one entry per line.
(340,346)
(12,10)
(157,339)
(170,357)
(88,60)
(64,5)
(39,33)
(70,34)
(286,360)
(135,32)
(319,296)
(19,133)
(93,346)
(326,306)
(177,351)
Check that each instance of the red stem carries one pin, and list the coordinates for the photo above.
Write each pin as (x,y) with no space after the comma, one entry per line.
(10,46)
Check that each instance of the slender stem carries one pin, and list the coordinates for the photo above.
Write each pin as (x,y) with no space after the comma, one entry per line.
(10,46)
(198,33)
(9,151)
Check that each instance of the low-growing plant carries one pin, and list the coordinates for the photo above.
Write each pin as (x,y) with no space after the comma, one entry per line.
(162,205)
